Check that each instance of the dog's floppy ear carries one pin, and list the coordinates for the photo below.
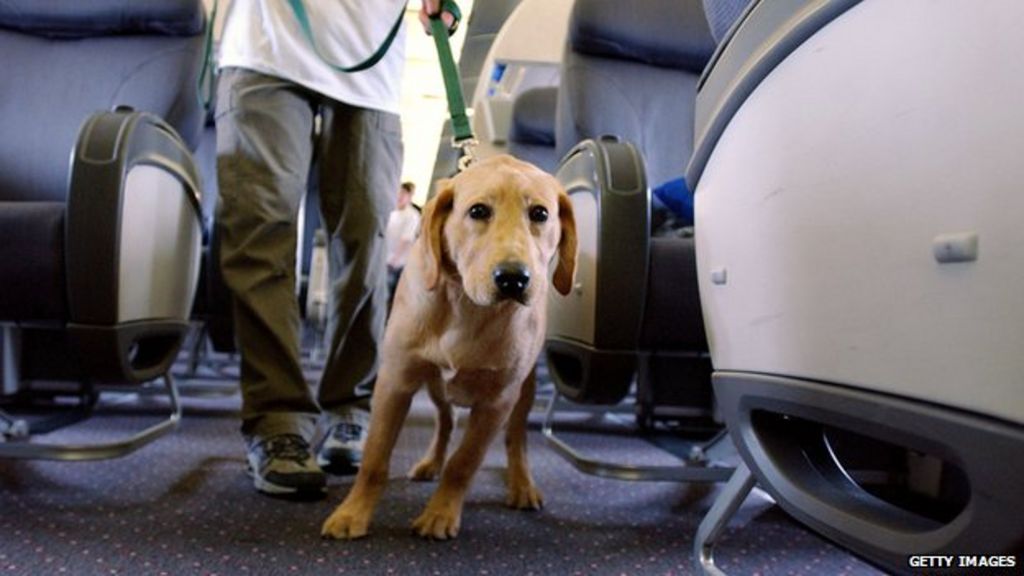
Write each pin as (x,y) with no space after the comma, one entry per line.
(566,269)
(435,213)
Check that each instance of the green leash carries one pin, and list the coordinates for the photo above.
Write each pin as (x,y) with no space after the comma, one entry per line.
(205,83)
(463,138)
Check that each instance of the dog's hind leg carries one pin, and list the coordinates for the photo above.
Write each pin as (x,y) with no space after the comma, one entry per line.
(522,492)
(390,406)
(429,467)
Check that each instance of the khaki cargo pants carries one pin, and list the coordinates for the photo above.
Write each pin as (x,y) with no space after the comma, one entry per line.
(269,143)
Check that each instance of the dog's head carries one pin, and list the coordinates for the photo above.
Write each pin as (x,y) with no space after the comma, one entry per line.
(497,226)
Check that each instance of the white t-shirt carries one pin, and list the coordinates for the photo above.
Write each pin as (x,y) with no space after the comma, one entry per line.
(265,36)
(400,234)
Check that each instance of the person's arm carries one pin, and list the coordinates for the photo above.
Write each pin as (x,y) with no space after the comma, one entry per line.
(432,7)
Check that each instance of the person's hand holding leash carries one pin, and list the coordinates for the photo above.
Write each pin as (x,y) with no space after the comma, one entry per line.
(449,16)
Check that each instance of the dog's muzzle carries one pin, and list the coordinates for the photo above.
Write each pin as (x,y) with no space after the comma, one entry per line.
(512,279)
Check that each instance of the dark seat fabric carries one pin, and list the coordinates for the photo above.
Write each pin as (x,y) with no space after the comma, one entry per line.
(677,322)
(532,133)
(532,115)
(32,260)
(664,33)
(52,83)
(56,18)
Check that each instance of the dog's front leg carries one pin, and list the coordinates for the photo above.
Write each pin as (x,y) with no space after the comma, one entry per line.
(429,467)
(390,406)
(522,492)
(443,515)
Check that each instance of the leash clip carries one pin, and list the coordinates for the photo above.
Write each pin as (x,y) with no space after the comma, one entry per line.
(467,154)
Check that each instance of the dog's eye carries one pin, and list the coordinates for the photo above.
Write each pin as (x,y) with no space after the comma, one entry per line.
(479,212)
(538,214)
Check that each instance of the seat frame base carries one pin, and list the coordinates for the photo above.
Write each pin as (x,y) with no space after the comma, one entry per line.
(15,434)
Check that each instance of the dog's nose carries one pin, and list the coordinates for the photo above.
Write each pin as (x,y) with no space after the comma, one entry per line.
(511,278)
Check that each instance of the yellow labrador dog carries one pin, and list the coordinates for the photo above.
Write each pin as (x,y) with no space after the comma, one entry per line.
(468,321)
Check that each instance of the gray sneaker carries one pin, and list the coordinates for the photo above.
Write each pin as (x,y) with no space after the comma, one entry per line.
(341,450)
(283,466)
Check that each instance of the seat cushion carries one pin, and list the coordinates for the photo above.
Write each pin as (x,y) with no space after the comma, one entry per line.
(32,261)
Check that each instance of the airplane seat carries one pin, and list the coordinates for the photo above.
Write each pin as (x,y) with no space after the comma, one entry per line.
(856,175)
(100,218)
(630,72)
(624,72)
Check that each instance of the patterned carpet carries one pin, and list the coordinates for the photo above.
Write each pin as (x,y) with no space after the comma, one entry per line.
(184,505)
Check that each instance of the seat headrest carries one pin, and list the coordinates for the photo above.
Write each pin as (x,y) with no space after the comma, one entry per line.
(77,19)
(666,33)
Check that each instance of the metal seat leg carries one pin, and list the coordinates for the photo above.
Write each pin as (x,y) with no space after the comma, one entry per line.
(23,448)
(697,469)
(717,518)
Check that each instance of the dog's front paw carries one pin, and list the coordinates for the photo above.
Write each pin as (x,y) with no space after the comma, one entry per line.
(346,523)
(524,496)
(438,523)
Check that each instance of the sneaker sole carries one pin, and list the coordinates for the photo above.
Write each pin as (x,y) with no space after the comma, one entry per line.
(338,468)
(269,488)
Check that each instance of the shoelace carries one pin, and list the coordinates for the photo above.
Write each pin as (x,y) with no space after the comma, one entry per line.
(287,447)
(348,432)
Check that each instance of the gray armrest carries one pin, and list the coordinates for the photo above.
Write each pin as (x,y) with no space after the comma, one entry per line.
(133,239)
(593,333)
